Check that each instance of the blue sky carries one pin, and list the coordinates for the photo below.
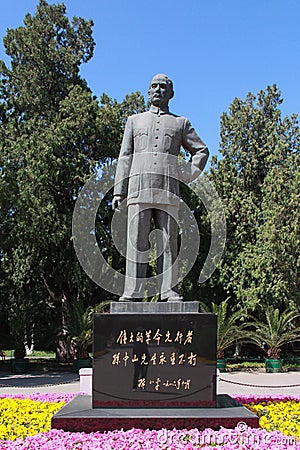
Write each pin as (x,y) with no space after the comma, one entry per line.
(214,50)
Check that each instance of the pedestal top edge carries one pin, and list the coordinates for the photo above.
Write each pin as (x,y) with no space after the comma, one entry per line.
(154,307)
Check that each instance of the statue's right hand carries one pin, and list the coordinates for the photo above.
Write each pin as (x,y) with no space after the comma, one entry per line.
(116,201)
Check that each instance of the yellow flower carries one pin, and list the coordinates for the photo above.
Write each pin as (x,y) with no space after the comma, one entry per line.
(20,418)
(283,416)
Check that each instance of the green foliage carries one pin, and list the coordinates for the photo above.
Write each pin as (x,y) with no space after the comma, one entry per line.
(231,327)
(292,364)
(45,57)
(47,129)
(245,365)
(258,182)
(276,329)
(189,287)
(37,355)
(53,135)
(274,259)
(80,327)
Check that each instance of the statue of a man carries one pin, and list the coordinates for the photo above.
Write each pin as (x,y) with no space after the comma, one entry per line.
(148,177)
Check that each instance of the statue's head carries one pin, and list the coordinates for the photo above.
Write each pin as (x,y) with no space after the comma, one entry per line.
(160,90)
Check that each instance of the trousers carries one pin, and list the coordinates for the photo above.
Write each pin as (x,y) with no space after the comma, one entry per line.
(140,217)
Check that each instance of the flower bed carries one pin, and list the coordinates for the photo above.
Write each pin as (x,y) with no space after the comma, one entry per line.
(273,416)
(251,398)
(276,412)
(25,425)
(246,439)
(21,418)
(38,397)
(27,415)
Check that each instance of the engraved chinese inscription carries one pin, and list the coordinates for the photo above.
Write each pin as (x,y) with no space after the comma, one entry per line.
(165,360)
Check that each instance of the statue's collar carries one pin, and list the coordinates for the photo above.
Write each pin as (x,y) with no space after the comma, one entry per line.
(156,110)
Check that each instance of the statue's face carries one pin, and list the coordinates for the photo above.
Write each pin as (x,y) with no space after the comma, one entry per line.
(160,91)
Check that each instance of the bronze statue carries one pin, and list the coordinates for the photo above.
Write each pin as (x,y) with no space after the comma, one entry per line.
(148,177)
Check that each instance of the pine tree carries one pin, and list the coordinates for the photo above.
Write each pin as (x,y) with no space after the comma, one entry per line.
(258,182)
(54,134)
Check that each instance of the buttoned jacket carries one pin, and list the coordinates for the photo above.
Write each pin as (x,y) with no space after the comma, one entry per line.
(147,169)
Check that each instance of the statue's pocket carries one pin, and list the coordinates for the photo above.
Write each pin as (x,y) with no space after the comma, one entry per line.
(140,136)
(171,138)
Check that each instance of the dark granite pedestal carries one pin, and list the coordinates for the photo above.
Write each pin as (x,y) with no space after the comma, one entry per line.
(78,415)
(154,355)
(154,366)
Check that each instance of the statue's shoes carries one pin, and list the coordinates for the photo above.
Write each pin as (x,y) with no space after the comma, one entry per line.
(127,299)
(175,298)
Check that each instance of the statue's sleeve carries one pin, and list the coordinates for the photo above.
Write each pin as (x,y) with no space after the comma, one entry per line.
(195,146)
(124,161)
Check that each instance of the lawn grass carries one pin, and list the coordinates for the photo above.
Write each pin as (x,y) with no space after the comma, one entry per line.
(39,354)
